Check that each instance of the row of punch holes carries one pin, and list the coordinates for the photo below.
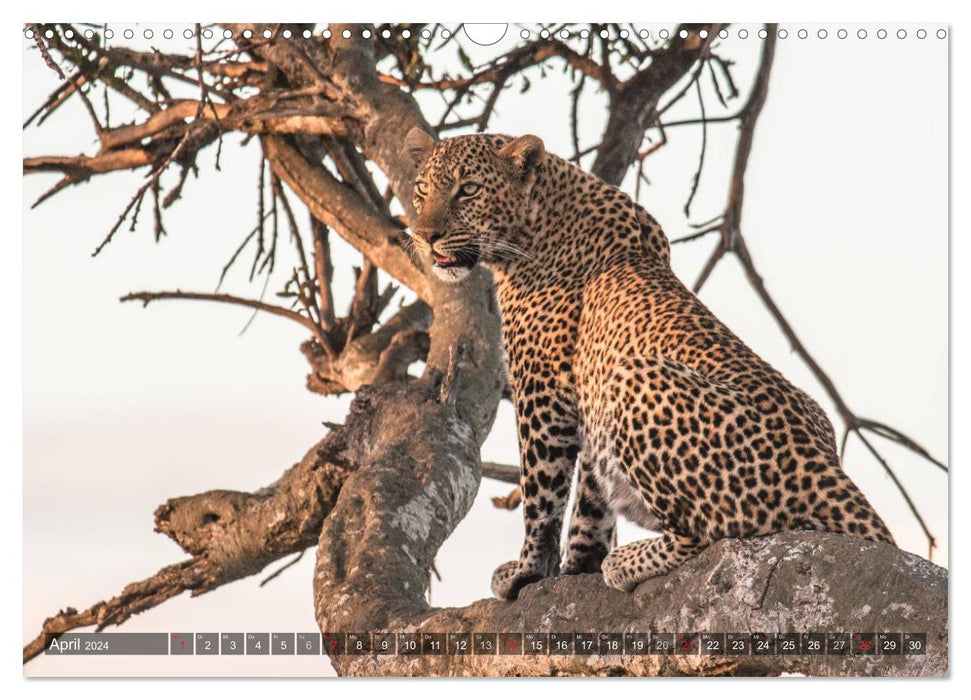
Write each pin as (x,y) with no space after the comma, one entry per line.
(742,33)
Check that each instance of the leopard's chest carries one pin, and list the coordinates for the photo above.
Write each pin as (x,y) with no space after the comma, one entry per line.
(539,323)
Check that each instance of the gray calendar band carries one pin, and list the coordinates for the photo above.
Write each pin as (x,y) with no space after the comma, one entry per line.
(491,643)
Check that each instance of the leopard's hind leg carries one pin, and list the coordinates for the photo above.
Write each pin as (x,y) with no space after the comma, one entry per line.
(627,566)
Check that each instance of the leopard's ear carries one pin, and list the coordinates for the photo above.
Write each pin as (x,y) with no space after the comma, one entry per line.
(523,154)
(418,144)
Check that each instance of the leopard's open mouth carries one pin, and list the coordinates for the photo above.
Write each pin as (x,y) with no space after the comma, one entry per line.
(467,256)
(444,260)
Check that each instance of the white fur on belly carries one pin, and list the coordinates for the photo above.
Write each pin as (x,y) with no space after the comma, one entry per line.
(624,499)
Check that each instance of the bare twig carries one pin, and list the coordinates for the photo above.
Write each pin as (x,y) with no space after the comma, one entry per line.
(147,297)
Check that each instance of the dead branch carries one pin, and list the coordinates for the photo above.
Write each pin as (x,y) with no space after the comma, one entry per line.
(147,297)
(230,535)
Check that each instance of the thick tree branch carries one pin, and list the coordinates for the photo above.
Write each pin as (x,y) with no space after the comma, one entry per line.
(789,582)
(230,535)
(342,209)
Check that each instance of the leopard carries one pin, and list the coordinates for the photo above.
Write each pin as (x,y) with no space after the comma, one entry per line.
(621,377)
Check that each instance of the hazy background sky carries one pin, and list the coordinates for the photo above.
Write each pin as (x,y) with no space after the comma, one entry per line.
(845,216)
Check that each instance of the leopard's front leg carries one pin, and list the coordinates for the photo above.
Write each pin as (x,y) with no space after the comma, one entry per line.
(548,445)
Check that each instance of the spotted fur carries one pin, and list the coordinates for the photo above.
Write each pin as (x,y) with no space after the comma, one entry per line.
(675,423)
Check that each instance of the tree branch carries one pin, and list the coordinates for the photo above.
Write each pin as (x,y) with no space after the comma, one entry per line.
(342,209)
(634,103)
(147,297)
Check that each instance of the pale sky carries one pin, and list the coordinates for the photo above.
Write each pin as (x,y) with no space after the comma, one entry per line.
(846,216)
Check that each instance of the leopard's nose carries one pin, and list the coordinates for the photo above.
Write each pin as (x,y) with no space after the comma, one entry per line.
(429,235)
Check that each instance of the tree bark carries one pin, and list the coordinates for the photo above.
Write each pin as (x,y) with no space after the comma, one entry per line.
(788,582)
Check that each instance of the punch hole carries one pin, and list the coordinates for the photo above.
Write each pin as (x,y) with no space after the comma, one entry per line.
(168,34)
(485,34)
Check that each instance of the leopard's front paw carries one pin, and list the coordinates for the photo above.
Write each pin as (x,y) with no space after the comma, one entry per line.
(510,578)
(616,572)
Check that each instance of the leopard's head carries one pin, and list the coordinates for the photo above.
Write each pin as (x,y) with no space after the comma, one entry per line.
(471,198)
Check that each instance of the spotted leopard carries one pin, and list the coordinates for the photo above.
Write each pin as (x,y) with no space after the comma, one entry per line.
(618,368)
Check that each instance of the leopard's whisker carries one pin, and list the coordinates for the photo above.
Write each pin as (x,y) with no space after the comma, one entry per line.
(505,247)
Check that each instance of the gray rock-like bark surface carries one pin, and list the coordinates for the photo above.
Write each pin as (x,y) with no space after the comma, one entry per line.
(789,582)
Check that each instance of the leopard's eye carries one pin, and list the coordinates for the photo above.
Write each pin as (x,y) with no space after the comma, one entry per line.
(469,189)
(421,188)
